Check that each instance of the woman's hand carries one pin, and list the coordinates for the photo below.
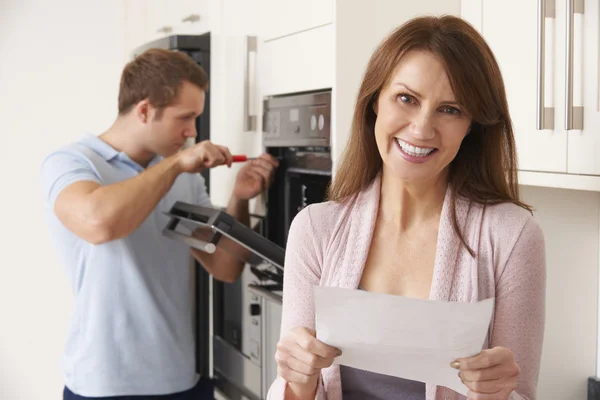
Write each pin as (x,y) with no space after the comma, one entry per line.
(300,357)
(491,375)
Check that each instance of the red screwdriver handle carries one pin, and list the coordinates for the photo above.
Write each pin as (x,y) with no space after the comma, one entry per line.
(239,158)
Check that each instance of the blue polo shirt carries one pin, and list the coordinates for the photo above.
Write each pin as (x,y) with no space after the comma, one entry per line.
(131,332)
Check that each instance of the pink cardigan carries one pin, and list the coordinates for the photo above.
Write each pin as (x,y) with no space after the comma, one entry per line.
(328,245)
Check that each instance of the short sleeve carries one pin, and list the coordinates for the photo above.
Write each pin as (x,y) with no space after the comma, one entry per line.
(202,199)
(62,168)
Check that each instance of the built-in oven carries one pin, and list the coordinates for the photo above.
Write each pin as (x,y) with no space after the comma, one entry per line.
(296,131)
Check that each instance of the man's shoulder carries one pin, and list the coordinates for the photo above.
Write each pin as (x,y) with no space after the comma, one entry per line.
(73,151)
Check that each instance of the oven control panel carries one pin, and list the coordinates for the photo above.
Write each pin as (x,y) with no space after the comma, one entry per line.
(297,119)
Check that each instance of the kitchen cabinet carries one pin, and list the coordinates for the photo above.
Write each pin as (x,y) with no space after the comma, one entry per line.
(285,17)
(549,61)
(146,21)
(300,62)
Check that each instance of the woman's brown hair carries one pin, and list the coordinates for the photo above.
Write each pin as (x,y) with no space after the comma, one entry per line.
(485,167)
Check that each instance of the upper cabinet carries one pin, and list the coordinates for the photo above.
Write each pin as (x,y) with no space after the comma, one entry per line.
(285,17)
(146,21)
(296,45)
(548,56)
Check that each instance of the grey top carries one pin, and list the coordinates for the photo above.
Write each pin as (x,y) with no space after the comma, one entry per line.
(365,385)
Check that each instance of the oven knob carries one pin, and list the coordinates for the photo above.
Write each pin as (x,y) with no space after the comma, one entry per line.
(313,123)
(321,122)
(254,309)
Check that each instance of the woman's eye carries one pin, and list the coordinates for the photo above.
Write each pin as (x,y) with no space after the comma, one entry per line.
(405,98)
(450,110)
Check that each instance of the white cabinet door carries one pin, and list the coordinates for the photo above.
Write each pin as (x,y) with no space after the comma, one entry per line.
(300,62)
(192,17)
(584,144)
(233,89)
(510,27)
(285,17)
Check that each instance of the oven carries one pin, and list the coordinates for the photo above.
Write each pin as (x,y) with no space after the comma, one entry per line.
(296,131)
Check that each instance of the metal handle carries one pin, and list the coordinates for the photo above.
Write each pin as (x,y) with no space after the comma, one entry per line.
(164,29)
(170,231)
(250,117)
(573,115)
(191,18)
(544,115)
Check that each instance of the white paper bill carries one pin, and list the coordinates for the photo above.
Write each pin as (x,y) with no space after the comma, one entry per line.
(399,336)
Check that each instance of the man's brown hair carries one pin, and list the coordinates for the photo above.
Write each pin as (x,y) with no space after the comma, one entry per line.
(157,75)
(485,168)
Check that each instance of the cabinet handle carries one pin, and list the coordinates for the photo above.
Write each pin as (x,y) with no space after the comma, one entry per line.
(250,117)
(544,115)
(164,29)
(573,115)
(191,18)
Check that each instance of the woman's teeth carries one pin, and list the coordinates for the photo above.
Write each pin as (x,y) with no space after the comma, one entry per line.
(414,151)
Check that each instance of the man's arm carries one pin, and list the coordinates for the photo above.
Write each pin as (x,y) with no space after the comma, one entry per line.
(221,264)
(99,214)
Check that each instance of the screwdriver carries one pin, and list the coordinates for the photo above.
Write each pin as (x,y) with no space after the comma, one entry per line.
(242,158)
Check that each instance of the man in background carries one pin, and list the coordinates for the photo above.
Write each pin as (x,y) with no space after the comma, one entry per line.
(105,198)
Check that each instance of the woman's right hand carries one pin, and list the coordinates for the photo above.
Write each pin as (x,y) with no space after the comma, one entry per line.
(300,357)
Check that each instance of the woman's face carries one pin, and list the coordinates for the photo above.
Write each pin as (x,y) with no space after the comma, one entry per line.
(419,126)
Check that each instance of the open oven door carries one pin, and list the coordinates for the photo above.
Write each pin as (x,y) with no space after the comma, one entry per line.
(244,368)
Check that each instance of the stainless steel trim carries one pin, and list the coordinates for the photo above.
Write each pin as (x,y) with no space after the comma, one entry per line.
(251,115)
(573,118)
(264,293)
(300,142)
(544,115)
(263,346)
(309,171)
(238,369)
(211,327)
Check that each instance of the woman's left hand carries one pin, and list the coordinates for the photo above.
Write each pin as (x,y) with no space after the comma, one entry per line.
(490,375)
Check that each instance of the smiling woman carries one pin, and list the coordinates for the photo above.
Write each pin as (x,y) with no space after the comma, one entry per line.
(425,204)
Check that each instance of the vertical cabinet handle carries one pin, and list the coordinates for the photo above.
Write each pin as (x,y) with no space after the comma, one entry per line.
(544,115)
(573,115)
(250,117)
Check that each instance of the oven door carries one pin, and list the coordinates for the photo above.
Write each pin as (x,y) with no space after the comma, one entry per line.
(241,322)
(303,187)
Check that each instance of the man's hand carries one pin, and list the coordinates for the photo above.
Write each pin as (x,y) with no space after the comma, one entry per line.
(255,177)
(203,155)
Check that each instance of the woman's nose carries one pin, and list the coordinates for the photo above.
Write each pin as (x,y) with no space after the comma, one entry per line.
(421,126)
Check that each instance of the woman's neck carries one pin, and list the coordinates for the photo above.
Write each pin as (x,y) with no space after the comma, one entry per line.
(407,205)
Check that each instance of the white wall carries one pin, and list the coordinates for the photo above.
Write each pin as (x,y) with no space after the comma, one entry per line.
(571,227)
(59,75)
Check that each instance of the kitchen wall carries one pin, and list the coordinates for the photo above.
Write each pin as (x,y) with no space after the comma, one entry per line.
(59,74)
(570,221)
(58,78)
